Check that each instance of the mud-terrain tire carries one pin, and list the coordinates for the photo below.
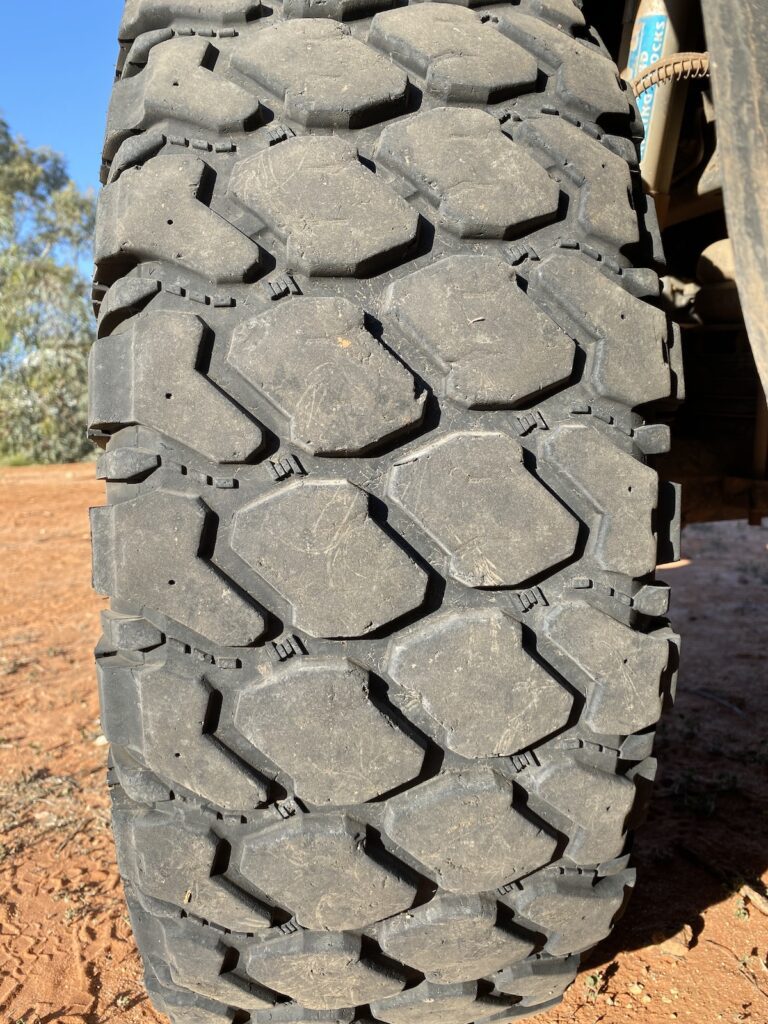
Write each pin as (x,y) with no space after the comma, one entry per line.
(378,327)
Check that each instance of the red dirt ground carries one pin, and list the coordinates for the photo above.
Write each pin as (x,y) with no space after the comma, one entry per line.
(66,951)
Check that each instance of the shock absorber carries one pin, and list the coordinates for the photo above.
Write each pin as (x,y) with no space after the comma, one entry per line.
(656,33)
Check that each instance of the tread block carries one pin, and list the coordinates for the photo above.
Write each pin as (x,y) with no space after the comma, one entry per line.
(133,151)
(472,493)
(178,84)
(130,632)
(463,826)
(321,971)
(126,297)
(325,77)
(149,374)
(126,464)
(318,546)
(335,216)
(436,1004)
(497,348)
(453,939)
(174,862)
(182,1005)
(574,913)
(138,704)
(625,541)
(564,14)
(604,207)
(167,572)
(148,15)
(626,667)
(318,868)
(348,750)
(538,981)
(472,674)
(629,336)
(154,212)
(586,80)
(339,10)
(196,956)
(482,184)
(596,801)
(341,389)
(462,59)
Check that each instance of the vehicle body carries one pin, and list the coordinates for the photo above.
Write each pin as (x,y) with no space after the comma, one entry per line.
(705,165)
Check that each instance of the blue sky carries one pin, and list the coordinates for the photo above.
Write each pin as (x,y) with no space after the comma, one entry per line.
(57,60)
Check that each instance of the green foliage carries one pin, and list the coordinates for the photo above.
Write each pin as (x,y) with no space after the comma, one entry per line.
(46,326)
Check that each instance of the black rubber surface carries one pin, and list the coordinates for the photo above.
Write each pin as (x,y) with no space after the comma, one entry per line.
(386,650)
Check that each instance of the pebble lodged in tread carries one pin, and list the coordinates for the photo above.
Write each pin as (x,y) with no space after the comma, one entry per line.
(385,653)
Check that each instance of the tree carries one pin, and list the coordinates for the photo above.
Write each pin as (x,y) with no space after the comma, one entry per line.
(46,325)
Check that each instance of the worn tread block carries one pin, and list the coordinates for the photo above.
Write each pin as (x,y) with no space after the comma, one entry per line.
(148,15)
(196,956)
(339,10)
(340,388)
(598,802)
(482,184)
(130,632)
(178,84)
(126,297)
(472,674)
(133,151)
(320,870)
(322,971)
(334,215)
(318,546)
(474,495)
(149,374)
(538,981)
(351,751)
(604,207)
(462,59)
(564,14)
(497,348)
(436,1004)
(139,702)
(172,861)
(182,1005)
(127,464)
(453,939)
(626,668)
(168,572)
(325,77)
(154,213)
(624,540)
(574,913)
(630,336)
(464,828)
(586,80)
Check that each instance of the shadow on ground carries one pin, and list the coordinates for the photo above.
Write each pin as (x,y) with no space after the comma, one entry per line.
(707,831)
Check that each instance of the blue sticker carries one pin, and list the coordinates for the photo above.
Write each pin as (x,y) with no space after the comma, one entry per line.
(647,47)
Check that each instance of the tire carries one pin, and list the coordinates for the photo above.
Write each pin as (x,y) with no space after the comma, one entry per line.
(378,324)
